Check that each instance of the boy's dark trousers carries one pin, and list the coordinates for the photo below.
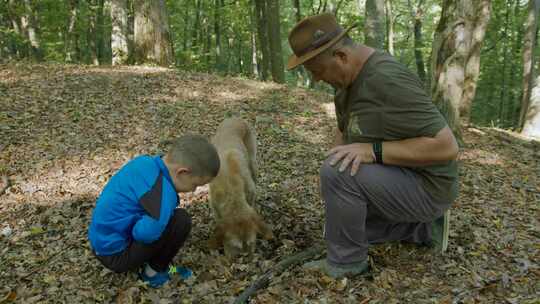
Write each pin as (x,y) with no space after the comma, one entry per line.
(157,254)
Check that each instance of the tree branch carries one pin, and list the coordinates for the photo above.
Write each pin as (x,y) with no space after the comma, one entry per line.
(264,280)
(274,209)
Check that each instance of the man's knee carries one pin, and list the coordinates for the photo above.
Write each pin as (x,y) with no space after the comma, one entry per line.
(328,173)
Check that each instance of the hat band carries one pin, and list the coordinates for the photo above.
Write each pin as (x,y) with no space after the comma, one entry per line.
(320,42)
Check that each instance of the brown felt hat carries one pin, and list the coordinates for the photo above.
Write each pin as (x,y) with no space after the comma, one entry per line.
(312,36)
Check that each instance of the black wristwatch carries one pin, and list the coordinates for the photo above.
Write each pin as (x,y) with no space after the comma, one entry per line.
(377,150)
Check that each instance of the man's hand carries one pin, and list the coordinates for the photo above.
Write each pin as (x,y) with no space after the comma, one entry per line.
(353,153)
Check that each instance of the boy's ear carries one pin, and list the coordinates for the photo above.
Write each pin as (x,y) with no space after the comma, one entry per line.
(182,170)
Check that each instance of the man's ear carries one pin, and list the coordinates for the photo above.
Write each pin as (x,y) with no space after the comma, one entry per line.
(342,55)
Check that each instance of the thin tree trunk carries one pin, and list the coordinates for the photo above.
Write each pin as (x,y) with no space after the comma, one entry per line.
(374,24)
(302,76)
(71,36)
(152,37)
(32,31)
(100,32)
(217,33)
(253,41)
(20,50)
(240,63)
(274,39)
(297,12)
(197,25)
(262,35)
(512,116)
(91,36)
(254,62)
(502,97)
(389,26)
(186,27)
(207,42)
(419,43)
(528,58)
(456,57)
(337,7)
(119,34)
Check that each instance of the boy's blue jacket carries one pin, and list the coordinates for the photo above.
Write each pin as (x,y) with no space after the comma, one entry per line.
(136,204)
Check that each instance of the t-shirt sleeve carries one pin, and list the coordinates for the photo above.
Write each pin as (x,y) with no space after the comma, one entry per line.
(408,111)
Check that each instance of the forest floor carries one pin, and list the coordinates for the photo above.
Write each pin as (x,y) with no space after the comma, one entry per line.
(64,130)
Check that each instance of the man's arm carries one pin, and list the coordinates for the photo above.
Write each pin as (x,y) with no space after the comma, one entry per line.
(421,151)
(338,139)
(412,152)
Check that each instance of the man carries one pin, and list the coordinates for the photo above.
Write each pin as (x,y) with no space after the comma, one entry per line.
(392,174)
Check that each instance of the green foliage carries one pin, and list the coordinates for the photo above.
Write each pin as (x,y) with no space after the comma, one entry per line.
(498,95)
(216,36)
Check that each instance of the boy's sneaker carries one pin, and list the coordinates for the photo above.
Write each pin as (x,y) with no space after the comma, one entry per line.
(440,229)
(156,280)
(184,272)
(160,278)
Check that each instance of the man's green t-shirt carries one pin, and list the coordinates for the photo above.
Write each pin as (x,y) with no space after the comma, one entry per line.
(387,102)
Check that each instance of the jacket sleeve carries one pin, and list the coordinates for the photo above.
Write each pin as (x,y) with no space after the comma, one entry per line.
(159,203)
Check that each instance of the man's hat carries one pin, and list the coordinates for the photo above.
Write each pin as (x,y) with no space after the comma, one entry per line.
(312,36)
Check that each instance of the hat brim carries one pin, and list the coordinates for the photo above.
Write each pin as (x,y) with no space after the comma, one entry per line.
(295,61)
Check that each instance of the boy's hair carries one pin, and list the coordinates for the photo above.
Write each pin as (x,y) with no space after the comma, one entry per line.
(195,152)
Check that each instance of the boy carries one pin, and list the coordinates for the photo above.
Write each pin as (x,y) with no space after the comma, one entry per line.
(136,221)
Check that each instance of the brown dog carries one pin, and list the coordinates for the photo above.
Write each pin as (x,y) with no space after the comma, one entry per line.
(232,192)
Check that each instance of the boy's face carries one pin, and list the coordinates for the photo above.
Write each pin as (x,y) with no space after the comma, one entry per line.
(184,181)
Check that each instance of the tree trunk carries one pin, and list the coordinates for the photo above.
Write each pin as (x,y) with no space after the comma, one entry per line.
(91,33)
(197,26)
(302,76)
(13,12)
(152,36)
(32,30)
(531,125)
(374,24)
(512,115)
(253,41)
(531,27)
(389,26)
(71,54)
(419,43)
(456,57)
(297,12)
(119,34)
(274,39)
(207,42)
(131,31)
(262,35)
(217,33)
(502,97)
(100,32)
